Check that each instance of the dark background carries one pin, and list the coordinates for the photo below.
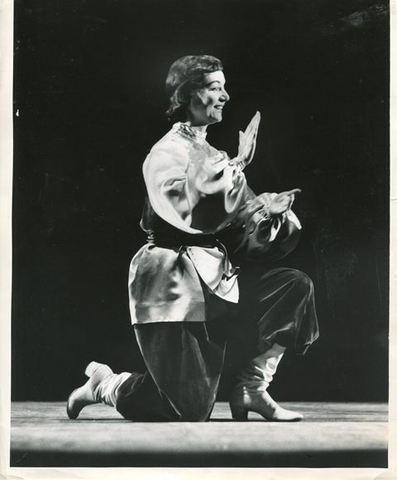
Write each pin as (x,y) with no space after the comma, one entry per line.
(89,104)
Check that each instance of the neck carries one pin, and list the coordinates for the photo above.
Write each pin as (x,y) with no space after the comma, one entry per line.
(196,126)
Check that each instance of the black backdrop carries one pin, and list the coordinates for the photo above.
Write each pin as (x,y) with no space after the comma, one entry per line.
(89,103)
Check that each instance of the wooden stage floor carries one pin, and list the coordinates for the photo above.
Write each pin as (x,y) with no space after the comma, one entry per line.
(331,435)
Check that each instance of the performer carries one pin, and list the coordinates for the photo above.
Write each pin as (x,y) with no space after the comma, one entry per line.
(182,282)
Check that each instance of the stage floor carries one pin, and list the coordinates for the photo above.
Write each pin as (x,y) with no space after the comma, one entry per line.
(331,435)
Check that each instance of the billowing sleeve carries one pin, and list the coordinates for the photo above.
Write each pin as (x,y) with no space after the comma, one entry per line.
(258,236)
(195,190)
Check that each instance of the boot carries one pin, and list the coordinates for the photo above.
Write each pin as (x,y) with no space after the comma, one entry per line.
(250,394)
(101,387)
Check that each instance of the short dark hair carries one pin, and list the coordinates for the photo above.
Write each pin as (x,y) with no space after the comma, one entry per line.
(185,75)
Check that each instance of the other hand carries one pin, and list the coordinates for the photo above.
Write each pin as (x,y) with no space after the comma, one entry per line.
(283,202)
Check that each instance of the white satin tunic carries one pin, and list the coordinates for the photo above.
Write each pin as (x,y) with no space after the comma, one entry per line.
(197,190)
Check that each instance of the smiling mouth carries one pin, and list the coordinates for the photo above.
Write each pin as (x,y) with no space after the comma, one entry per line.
(219,107)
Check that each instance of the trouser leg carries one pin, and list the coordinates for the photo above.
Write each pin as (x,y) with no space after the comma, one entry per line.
(287,313)
(140,400)
(276,306)
(184,363)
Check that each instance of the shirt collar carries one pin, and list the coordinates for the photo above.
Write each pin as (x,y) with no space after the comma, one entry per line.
(189,131)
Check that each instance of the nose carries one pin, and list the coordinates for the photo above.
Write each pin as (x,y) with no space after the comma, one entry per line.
(225,96)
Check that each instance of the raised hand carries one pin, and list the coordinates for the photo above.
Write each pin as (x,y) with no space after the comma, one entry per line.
(283,201)
(247,141)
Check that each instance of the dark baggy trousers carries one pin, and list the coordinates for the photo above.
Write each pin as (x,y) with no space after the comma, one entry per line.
(184,360)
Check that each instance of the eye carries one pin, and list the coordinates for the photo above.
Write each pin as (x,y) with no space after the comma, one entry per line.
(216,89)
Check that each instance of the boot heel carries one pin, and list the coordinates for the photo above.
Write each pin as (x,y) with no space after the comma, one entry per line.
(239,413)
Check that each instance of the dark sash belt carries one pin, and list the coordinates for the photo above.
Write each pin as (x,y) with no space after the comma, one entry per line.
(181,239)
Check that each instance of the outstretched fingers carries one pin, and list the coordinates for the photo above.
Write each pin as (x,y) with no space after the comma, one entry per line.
(293,191)
(252,128)
(291,194)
